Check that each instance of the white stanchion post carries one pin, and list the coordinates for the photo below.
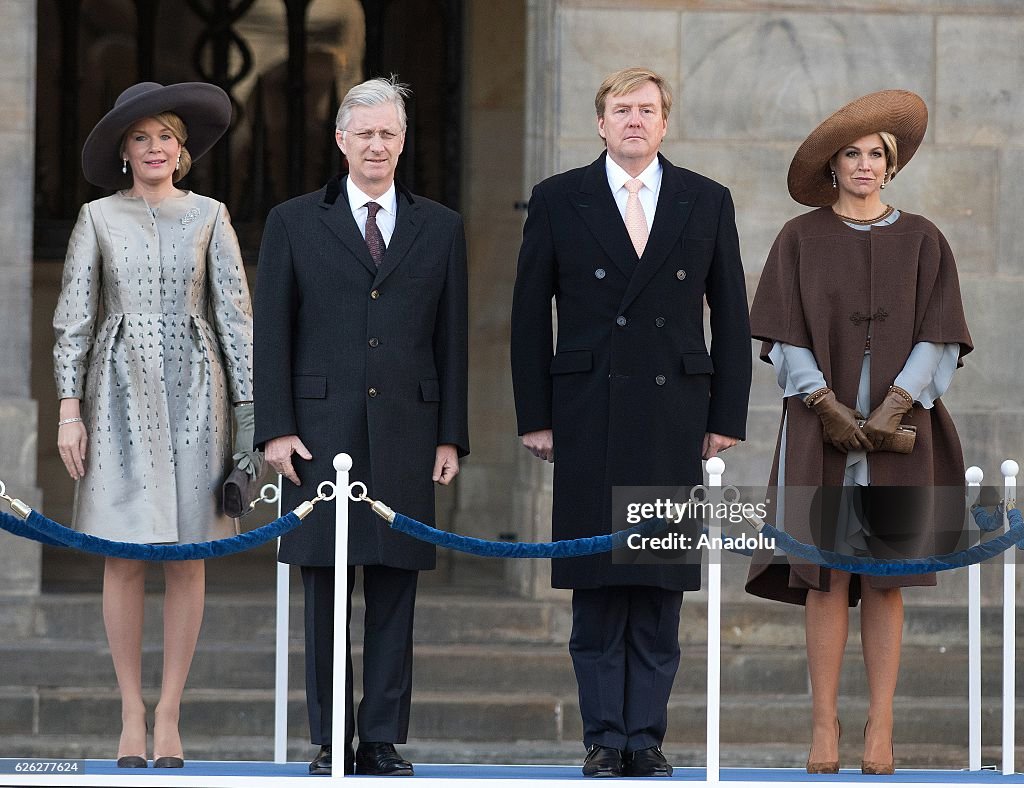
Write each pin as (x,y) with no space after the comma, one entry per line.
(342,464)
(974,477)
(281,651)
(1009,470)
(715,466)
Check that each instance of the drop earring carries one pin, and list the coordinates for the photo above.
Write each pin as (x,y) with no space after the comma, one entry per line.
(883,181)
(124,167)
(834,183)
(177,165)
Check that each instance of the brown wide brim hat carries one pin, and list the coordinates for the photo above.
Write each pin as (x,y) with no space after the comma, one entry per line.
(204,108)
(899,112)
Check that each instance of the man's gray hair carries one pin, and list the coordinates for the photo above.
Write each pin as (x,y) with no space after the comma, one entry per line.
(372,93)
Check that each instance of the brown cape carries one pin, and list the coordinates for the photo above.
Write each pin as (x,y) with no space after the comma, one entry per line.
(823,285)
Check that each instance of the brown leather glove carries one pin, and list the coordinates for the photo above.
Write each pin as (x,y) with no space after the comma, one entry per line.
(884,419)
(839,424)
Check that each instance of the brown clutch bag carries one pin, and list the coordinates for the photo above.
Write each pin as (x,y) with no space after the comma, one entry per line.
(900,442)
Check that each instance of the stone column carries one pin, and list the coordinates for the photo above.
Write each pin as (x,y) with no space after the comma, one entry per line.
(531,507)
(20,567)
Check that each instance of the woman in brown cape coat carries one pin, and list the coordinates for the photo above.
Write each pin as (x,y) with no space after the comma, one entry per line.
(859,309)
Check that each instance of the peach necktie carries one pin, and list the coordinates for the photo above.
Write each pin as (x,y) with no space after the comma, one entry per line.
(636,222)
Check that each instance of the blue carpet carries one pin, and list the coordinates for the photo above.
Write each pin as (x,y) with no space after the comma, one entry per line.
(494,772)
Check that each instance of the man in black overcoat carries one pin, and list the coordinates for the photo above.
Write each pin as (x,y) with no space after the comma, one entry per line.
(361,347)
(630,247)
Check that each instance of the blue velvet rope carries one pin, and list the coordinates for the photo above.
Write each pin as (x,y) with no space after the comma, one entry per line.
(567,548)
(901,566)
(986,520)
(44,530)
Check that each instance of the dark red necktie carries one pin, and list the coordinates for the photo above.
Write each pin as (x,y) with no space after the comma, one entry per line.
(374,240)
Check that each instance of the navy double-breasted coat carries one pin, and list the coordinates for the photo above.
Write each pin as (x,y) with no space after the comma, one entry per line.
(369,361)
(631,387)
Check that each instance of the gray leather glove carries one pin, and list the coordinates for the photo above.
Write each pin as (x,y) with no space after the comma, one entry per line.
(245,456)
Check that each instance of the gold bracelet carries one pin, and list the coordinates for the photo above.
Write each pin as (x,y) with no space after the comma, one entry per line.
(903,393)
(814,396)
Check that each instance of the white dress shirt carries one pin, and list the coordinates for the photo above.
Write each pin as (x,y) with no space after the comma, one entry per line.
(648,195)
(386,216)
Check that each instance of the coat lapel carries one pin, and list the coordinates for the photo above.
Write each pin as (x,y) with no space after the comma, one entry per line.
(407,227)
(337,215)
(597,208)
(674,206)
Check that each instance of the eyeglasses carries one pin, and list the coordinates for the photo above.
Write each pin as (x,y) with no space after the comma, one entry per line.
(386,135)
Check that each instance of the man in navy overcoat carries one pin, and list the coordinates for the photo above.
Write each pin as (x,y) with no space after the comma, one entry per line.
(361,347)
(630,247)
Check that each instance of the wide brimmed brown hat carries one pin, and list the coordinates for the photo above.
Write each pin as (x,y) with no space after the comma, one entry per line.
(899,112)
(205,109)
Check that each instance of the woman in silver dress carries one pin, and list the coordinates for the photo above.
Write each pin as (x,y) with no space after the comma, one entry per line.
(153,346)
(860,313)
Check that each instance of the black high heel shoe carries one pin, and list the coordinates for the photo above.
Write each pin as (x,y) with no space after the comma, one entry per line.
(134,761)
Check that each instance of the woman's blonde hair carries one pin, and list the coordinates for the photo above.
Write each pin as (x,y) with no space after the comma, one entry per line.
(177,127)
(891,163)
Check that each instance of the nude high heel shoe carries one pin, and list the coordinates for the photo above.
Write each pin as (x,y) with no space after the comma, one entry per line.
(876,767)
(826,767)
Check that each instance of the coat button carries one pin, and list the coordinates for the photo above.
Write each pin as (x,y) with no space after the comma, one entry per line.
(375,294)
(680,274)
(374,342)
(660,380)
(372,392)
(600,273)
(659,322)
(621,320)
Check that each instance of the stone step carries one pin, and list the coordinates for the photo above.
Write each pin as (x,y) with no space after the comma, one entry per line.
(252,618)
(261,747)
(486,717)
(926,671)
(460,618)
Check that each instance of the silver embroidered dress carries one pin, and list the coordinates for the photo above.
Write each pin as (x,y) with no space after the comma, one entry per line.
(154,335)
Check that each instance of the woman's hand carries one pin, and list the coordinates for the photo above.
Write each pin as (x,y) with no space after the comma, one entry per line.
(884,419)
(839,424)
(72,440)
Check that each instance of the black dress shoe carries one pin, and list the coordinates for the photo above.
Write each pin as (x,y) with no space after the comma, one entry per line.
(602,762)
(321,764)
(131,762)
(647,763)
(381,759)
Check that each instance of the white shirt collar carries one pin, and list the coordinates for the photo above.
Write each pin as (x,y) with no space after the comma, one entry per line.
(617,177)
(357,199)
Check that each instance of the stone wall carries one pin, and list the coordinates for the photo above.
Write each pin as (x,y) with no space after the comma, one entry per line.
(19,562)
(751,79)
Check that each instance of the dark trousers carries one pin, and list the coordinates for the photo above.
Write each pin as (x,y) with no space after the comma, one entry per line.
(625,651)
(390,596)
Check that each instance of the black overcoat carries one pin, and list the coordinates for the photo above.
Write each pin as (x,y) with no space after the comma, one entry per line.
(368,361)
(631,389)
